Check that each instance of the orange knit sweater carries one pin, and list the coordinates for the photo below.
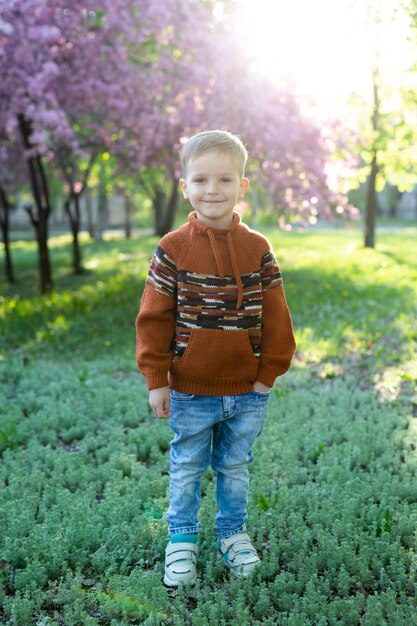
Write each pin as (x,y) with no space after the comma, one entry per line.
(213,316)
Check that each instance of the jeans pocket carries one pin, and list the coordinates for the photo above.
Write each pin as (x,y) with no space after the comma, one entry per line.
(261,394)
(178,396)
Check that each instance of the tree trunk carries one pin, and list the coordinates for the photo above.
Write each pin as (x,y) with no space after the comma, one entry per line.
(74,220)
(371,205)
(39,218)
(171,207)
(165,208)
(89,210)
(128,207)
(158,202)
(371,200)
(5,224)
(102,211)
(40,225)
(76,250)
(44,265)
(41,233)
(76,189)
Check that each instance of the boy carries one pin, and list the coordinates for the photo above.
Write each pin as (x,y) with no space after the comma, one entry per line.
(213,332)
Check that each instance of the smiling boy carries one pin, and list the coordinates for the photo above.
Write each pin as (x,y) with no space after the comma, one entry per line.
(213,333)
(213,184)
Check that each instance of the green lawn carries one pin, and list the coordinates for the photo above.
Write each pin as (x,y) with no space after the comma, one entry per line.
(84,466)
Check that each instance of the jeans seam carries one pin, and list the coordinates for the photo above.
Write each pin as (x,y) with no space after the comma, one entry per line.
(185,529)
(230,533)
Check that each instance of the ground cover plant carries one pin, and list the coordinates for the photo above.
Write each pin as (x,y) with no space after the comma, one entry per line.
(84,466)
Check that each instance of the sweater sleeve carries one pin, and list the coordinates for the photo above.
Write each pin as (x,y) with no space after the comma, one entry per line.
(155,323)
(278,343)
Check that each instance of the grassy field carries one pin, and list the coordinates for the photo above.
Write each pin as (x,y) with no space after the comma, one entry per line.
(84,466)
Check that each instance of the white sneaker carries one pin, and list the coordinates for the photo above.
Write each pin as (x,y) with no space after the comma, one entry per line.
(180,562)
(238,554)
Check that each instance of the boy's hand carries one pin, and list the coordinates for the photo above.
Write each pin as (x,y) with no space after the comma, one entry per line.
(160,402)
(258,386)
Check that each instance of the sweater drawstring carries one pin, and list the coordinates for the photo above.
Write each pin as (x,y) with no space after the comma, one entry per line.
(236,270)
(216,252)
(233,258)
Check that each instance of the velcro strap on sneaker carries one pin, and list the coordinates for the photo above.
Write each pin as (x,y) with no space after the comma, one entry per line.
(231,542)
(236,547)
(181,551)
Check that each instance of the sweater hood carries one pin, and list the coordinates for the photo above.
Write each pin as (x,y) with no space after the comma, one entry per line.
(205,230)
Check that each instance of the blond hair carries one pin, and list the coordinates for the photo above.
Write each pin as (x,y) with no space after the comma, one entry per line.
(214,140)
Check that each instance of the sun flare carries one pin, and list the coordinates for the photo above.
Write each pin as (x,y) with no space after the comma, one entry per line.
(324,48)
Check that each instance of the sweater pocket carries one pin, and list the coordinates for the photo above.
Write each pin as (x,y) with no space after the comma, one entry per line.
(213,355)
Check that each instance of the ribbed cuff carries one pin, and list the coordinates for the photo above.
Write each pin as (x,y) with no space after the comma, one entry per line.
(265,376)
(157,380)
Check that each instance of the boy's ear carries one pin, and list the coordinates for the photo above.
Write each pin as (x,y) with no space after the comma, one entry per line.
(183,187)
(244,185)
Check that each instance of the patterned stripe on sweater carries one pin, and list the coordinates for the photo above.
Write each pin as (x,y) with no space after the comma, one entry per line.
(162,273)
(270,274)
(208,301)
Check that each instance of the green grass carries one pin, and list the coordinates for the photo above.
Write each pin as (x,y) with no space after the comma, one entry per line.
(84,466)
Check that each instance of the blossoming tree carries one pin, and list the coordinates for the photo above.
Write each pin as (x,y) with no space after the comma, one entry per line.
(134,79)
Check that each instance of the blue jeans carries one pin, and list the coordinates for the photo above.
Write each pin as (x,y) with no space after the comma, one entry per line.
(219,430)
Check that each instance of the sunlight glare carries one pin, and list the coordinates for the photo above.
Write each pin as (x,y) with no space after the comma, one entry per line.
(322,48)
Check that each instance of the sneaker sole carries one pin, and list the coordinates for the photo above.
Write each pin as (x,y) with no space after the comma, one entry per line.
(168,582)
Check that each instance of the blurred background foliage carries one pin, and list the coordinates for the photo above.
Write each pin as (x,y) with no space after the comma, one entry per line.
(95,105)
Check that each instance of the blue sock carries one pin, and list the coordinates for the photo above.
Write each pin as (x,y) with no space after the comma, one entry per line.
(179,537)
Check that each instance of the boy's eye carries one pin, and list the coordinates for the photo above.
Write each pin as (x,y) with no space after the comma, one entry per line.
(225,180)
(199,180)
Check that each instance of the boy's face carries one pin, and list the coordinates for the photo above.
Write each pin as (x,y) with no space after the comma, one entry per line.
(213,186)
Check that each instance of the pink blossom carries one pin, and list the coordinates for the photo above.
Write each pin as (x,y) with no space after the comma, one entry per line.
(139,76)
(42,34)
